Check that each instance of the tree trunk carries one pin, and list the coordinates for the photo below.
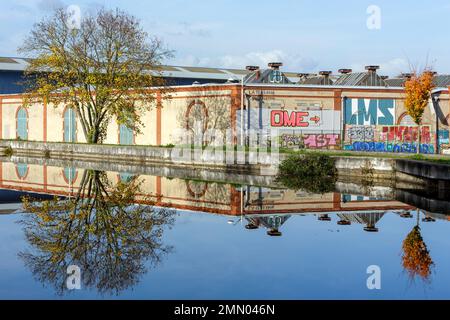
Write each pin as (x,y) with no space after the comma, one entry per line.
(418,139)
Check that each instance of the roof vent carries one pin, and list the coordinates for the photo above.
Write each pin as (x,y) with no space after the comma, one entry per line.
(231,80)
(406,75)
(303,75)
(325,74)
(345,71)
(372,68)
(384,77)
(252,68)
(195,83)
(275,65)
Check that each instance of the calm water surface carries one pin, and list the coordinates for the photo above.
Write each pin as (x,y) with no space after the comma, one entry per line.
(209,240)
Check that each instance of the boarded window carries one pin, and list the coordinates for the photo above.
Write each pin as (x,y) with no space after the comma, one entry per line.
(125,135)
(69,125)
(22,125)
(22,169)
(70,174)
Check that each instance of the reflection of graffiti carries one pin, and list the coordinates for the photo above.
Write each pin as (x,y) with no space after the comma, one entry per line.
(443,136)
(361,133)
(310,140)
(405,147)
(405,134)
(369,111)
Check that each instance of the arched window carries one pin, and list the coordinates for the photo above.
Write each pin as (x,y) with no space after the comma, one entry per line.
(406,120)
(125,135)
(69,125)
(126,177)
(22,124)
(21,170)
(70,175)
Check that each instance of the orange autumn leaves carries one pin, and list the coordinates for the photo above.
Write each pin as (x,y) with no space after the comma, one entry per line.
(418,92)
(416,258)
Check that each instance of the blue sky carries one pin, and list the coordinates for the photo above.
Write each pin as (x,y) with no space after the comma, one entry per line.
(305,35)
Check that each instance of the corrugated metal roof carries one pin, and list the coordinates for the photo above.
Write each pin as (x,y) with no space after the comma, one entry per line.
(224,74)
(360,79)
(395,82)
(267,76)
(317,80)
(190,72)
(441,80)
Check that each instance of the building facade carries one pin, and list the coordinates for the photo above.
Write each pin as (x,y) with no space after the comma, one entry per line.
(356,112)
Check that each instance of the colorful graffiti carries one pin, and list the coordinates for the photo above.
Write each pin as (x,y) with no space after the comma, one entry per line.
(361,133)
(312,141)
(405,147)
(388,139)
(405,134)
(283,118)
(443,136)
(369,111)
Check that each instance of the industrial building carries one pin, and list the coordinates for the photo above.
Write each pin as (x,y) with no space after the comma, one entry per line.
(360,111)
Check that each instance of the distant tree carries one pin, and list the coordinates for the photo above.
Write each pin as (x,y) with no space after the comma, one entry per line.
(100,69)
(418,92)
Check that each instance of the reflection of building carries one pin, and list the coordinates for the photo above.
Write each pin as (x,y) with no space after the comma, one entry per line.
(367,218)
(191,195)
(272,223)
(306,110)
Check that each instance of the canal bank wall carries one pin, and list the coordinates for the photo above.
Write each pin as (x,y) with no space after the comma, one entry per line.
(128,158)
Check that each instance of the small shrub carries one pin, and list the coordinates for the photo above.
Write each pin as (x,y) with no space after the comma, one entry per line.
(46,154)
(8,151)
(312,172)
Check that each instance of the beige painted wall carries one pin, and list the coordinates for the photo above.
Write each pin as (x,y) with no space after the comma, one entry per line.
(174,107)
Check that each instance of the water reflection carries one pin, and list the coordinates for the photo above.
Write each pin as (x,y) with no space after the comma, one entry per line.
(416,257)
(101,230)
(113,224)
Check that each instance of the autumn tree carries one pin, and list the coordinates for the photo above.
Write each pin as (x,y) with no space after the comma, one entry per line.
(418,93)
(102,69)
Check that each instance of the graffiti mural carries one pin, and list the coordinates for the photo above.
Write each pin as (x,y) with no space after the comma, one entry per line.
(405,134)
(312,141)
(369,111)
(378,138)
(305,120)
(443,136)
(405,147)
(361,133)
(284,118)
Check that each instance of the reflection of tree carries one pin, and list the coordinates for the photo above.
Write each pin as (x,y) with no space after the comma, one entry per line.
(416,258)
(101,230)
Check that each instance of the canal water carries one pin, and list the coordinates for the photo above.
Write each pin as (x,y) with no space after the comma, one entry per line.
(74,233)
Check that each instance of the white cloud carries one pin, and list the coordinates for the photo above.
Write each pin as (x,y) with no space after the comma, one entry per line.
(390,68)
(50,5)
(291,62)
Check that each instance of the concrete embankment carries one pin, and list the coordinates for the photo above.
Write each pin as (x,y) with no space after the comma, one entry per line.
(125,158)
